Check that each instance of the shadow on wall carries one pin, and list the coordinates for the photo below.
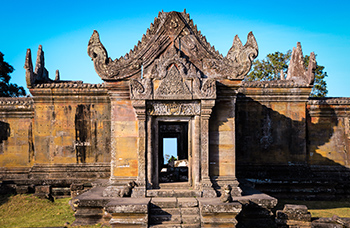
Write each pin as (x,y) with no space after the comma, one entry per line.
(5,133)
(280,155)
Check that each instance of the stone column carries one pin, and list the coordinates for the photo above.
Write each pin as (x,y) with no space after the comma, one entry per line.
(196,151)
(206,109)
(120,113)
(149,152)
(225,137)
(140,109)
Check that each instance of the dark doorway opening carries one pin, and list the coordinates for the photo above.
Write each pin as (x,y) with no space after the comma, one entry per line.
(173,152)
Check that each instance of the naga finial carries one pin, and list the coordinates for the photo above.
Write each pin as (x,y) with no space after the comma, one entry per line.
(240,57)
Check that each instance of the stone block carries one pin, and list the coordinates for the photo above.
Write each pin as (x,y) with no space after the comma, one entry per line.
(190,211)
(88,215)
(128,205)
(215,206)
(186,193)
(165,211)
(129,220)
(191,219)
(22,189)
(43,189)
(164,202)
(160,193)
(138,192)
(169,219)
(191,225)
(294,212)
(209,193)
(187,202)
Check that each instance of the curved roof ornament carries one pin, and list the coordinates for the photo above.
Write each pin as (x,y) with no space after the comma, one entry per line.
(166,31)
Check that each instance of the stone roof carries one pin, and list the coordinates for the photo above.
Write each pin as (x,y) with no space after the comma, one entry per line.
(174,30)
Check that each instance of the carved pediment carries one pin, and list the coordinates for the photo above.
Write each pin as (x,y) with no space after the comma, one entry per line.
(173,78)
(174,29)
(173,86)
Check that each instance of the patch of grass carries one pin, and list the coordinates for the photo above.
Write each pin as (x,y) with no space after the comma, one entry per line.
(321,208)
(30,211)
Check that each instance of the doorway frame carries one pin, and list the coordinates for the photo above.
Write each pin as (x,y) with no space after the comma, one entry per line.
(153,158)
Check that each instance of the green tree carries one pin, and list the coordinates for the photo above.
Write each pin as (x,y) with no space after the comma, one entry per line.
(270,68)
(8,89)
(276,64)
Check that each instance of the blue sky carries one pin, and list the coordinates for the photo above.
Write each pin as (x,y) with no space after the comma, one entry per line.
(64,28)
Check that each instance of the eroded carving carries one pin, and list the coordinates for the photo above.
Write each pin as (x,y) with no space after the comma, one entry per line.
(174,75)
(296,69)
(173,108)
(141,89)
(240,57)
(226,194)
(40,75)
(173,86)
(168,30)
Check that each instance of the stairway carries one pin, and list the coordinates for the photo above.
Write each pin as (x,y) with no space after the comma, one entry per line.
(174,212)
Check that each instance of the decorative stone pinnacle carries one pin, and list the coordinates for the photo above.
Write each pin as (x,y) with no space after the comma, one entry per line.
(297,70)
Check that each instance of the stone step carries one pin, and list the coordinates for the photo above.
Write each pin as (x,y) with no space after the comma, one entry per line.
(173,193)
(160,202)
(175,225)
(174,212)
(165,219)
(164,211)
(172,202)
(174,185)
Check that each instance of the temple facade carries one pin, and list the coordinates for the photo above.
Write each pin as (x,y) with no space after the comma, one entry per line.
(174,85)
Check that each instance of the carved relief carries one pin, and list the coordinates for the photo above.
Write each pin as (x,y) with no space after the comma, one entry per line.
(173,108)
(141,89)
(173,86)
(175,75)
(178,30)
(204,89)
(240,57)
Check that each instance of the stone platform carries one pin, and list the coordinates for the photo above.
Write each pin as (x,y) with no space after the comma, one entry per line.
(182,208)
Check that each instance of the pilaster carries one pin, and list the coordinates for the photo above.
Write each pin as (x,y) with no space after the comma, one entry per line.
(207,186)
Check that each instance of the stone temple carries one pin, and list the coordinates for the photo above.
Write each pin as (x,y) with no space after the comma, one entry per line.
(106,143)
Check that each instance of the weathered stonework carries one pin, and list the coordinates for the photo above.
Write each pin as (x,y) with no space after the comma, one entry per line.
(174,84)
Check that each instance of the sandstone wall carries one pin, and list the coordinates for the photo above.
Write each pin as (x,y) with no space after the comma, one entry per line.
(271,126)
(328,132)
(16,138)
(289,144)
(62,132)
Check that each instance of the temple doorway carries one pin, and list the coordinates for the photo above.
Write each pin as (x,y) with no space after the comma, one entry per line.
(173,156)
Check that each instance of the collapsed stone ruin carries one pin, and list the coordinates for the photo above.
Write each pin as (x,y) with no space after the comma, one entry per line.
(104,143)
